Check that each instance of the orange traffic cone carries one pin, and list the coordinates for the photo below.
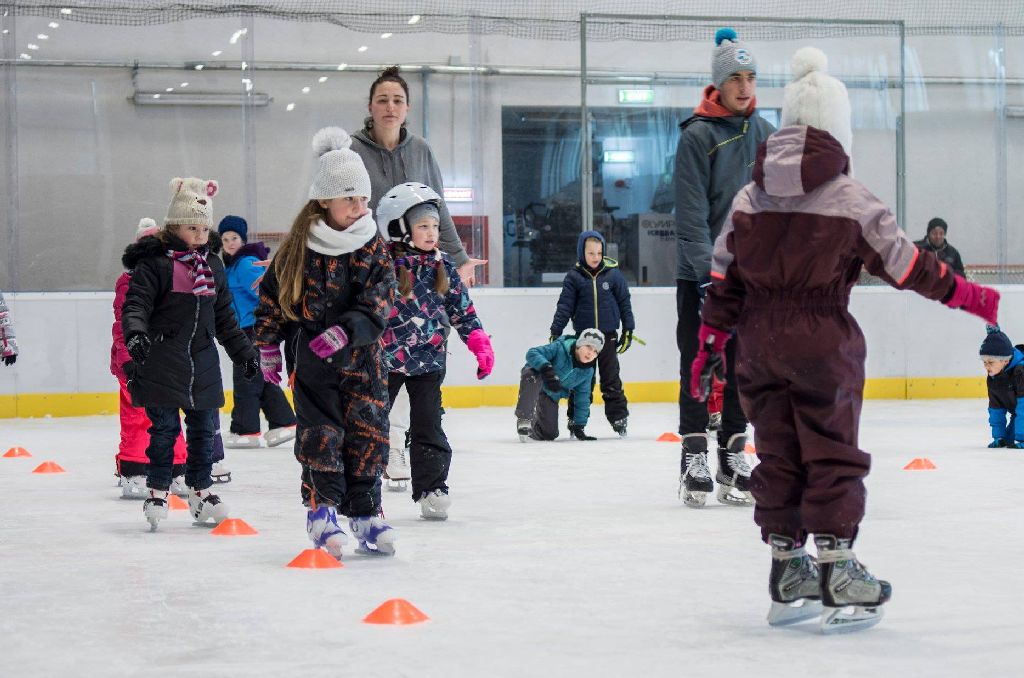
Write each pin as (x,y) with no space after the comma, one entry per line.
(16,452)
(920,464)
(233,527)
(176,503)
(315,559)
(48,467)
(669,437)
(395,611)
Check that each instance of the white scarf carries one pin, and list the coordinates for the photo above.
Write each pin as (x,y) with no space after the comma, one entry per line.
(326,240)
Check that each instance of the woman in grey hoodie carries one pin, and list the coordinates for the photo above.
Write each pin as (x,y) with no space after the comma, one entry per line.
(393,155)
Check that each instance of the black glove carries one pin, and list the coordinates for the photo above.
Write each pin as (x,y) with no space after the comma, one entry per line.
(138,346)
(551,380)
(625,341)
(577,432)
(10,360)
(250,367)
(553,338)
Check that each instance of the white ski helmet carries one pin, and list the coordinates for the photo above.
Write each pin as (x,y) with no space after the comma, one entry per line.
(392,208)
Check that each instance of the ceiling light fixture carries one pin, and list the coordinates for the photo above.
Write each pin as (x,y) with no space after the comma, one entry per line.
(199,67)
(32,45)
(305,90)
(322,79)
(156,96)
(290,107)
(26,57)
(201,99)
(414,19)
(342,67)
(184,84)
(42,36)
(54,24)
(385,36)
(238,34)
(362,48)
(65,11)
(217,53)
(169,89)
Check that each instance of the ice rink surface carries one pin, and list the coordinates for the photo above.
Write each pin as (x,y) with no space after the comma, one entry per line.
(559,559)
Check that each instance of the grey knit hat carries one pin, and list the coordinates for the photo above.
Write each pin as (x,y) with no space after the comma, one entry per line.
(730,56)
(592,337)
(341,172)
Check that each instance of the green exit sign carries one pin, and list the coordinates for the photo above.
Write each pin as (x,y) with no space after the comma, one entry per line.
(636,96)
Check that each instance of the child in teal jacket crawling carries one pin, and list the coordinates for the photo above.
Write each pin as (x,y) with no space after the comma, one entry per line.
(552,372)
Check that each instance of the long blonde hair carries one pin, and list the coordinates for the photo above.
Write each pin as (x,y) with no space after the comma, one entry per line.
(290,260)
(441,283)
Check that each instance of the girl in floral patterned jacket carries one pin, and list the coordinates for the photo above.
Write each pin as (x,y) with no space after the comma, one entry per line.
(431,300)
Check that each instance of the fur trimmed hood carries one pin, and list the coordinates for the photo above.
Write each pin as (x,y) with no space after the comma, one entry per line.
(157,246)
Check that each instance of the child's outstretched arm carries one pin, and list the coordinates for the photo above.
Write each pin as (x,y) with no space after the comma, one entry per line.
(463,317)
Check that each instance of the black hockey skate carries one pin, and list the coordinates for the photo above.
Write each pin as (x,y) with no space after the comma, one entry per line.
(793,583)
(851,596)
(695,480)
(733,476)
(619,426)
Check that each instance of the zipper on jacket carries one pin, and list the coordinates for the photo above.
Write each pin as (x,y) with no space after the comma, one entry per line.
(593,280)
(191,363)
(743,133)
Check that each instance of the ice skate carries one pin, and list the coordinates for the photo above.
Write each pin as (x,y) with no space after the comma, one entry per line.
(134,487)
(851,596)
(206,507)
(695,481)
(279,436)
(398,472)
(733,476)
(220,473)
(155,508)
(434,505)
(619,426)
(376,538)
(523,427)
(323,530)
(793,584)
(237,441)
(178,486)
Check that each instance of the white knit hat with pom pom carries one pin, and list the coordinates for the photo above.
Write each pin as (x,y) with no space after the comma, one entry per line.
(816,99)
(146,227)
(341,172)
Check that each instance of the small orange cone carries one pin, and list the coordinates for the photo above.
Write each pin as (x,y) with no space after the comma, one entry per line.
(48,467)
(669,437)
(176,503)
(395,611)
(749,448)
(233,527)
(315,559)
(920,464)
(16,452)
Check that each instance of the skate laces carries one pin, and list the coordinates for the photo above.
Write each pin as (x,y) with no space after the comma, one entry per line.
(738,463)
(855,568)
(697,465)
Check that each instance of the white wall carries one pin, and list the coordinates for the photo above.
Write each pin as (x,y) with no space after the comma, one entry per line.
(65,337)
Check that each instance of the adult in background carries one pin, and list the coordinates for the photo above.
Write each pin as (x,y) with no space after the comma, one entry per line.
(715,157)
(393,155)
(935,241)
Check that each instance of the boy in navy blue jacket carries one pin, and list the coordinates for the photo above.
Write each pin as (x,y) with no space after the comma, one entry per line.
(1004,364)
(595,295)
(561,369)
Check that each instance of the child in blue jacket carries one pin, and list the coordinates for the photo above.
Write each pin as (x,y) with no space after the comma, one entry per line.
(561,369)
(595,295)
(251,395)
(1004,364)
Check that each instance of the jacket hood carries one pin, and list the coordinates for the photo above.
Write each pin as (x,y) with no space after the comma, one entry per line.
(250,249)
(154,246)
(798,159)
(1017,359)
(711,106)
(366,136)
(581,243)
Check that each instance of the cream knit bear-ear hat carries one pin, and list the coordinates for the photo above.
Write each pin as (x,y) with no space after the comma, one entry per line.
(191,202)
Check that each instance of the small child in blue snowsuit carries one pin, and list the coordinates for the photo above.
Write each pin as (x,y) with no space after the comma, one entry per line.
(554,371)
(1004,364)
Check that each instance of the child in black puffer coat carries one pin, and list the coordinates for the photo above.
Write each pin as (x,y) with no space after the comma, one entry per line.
(177,303)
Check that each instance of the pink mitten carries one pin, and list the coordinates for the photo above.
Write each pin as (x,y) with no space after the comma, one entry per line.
(332,340)
(710,361)
(975,299)
(270,364)
(480,344)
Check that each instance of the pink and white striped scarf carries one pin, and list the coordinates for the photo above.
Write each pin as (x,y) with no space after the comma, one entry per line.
(202,274)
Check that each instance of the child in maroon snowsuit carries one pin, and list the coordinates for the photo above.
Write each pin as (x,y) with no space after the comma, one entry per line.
(782,270)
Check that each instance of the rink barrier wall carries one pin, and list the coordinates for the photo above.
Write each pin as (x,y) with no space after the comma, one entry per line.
(916,349)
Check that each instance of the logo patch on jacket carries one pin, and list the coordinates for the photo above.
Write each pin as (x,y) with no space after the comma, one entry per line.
(604,286)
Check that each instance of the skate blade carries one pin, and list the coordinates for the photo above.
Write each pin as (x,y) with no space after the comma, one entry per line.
(523,438)
(436,517)
(695,499)
(275,442)
(221,480)
(397,485)
(245,446)
(382,550)
(840,620)
(153,525)
(784,614)
(730,496)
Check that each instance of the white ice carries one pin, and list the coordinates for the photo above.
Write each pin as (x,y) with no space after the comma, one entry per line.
(559,559)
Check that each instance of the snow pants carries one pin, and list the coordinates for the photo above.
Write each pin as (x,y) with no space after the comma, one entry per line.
(253,395)
(341,440)
(537,406)
(800,372)
(131,459)
(430,455)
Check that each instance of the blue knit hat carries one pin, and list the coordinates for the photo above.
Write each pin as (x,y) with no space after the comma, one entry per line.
(236,224)
(996,344)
